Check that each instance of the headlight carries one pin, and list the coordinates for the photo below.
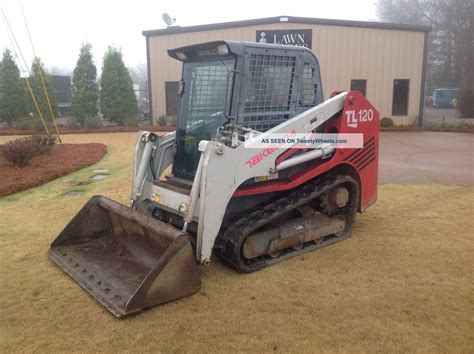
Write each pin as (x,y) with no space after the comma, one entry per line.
(181,56)
(222,49)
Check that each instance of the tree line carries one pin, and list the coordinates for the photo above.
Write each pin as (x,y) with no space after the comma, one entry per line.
(451,40)
(112,94)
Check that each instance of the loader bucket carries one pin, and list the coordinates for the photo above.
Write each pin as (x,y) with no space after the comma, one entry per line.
(126,260)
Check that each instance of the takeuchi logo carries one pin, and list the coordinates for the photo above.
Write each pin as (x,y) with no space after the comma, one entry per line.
(257,158)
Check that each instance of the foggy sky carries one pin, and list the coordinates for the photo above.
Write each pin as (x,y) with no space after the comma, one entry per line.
(59,27)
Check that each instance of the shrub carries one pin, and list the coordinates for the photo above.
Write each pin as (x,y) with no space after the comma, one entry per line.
(28,123)
(20,151)
(71,123)
(386,122)
(166,120)
(447,125)
(465,104)
(38,125)
(171,120)
(131,121)
(93,122)
(25,123)
(45,140)
(162,120)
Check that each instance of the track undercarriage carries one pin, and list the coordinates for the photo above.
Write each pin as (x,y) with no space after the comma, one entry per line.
(317,214)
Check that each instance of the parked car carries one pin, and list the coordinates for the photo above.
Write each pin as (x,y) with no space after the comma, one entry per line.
(445,97)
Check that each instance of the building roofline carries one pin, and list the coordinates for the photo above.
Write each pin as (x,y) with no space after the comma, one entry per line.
(287,19)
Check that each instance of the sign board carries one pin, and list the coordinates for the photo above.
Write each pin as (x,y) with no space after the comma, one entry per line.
(298,37)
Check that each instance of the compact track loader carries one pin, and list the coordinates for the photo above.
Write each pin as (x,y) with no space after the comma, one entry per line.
(203,189)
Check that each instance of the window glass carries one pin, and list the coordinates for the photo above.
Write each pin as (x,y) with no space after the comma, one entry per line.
(171,93)
(400,97)
(359,85)
(202,109)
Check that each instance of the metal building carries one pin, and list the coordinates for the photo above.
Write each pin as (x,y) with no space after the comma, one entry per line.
(385,61)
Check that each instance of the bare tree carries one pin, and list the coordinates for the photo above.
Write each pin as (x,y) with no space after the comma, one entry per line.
(451,45)
(139,75)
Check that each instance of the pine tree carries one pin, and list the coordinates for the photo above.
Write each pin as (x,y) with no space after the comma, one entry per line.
(37,87)
(12,91)
(117,98)
(84,87)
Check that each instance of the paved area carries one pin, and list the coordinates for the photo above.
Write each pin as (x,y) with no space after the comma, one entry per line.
(426,157)
(433,116)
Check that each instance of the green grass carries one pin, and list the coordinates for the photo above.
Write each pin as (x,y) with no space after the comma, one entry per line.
(449,125)
(403,282)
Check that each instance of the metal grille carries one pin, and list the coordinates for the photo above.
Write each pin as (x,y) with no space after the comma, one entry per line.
(309,88)
(271,83)
(263,122)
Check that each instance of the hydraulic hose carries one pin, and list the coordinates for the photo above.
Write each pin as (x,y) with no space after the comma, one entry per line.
(152,163)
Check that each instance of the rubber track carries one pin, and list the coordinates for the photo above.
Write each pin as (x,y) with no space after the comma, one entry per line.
(229,245)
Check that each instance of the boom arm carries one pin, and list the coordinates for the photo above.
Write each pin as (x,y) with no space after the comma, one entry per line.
(228,168)
(222,169)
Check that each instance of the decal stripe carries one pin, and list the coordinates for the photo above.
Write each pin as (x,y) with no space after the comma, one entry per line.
(361,150)
(361,157)
(367,163)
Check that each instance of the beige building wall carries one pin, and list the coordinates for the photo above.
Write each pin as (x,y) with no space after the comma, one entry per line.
(344,53)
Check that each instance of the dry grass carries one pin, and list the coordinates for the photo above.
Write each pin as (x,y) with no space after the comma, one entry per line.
(403,282)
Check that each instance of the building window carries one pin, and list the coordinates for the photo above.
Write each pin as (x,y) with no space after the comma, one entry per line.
(401,88)
(171,95)
(359,85)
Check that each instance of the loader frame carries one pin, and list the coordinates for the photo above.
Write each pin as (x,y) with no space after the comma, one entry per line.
(221,170)
(225,181)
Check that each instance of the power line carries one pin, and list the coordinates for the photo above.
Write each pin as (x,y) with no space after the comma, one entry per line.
(11,35)
(53,118)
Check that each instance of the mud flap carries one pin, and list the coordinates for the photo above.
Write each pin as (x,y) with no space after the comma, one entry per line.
(126,260)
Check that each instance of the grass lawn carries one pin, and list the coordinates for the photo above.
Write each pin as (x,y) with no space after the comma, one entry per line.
(403,282)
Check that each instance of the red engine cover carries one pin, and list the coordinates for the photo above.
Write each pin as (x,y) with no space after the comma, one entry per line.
(357,116)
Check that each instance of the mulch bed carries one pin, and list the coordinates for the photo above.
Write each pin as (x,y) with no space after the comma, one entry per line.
(61,160)
(108,129)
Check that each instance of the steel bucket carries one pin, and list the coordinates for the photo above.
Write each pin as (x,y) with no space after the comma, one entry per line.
(126,260)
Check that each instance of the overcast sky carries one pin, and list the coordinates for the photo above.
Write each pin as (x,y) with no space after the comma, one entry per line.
(58,27)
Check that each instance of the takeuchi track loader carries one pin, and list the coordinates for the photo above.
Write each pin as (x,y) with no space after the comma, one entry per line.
(201,190)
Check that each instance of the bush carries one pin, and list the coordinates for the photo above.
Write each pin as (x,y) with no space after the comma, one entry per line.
(20,151)
(166,120)
(71,123)
(162,120)
(93,122)
(171,120)
(386,122)
(38,125)
(447,125)
(465,104)
(30,123)
(45,140)
(131,121)
(25,123)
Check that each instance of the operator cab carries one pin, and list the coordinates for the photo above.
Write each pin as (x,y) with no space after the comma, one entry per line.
(253,85)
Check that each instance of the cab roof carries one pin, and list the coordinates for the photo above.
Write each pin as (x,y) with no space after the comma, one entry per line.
(236,48)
